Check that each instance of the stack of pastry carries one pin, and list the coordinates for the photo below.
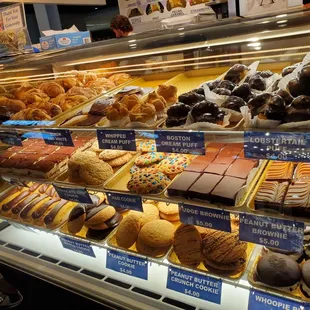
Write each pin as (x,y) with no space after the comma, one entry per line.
(44,100)
(145,232)
(38,159)
(168,92)
(38,205)
(158,102)
(119,78)
(95,166)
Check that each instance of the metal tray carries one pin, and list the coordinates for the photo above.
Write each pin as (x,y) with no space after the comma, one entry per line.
(296,293)
(121,178)
(242,195)
(173,259)
(18,222)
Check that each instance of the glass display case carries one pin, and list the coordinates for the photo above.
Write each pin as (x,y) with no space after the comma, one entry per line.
(165,170)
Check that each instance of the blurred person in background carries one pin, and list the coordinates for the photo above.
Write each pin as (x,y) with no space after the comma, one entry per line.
(121,26)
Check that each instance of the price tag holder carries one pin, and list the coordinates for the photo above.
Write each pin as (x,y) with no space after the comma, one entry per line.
(277,146)
(80,195)
(264,301)
(132,202)
(209,218)
(60,137)
(270,232)
(11,137)
(180,142)
(117,139)
(127,264)
(25,123)
(78,246)
(195,285)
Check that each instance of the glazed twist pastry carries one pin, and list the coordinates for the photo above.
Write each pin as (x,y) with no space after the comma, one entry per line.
(68,102)
(50,108)
(20,91)
(86,77)
(119,78)
(68,83)
(100,85)
(52,89)
(31,114)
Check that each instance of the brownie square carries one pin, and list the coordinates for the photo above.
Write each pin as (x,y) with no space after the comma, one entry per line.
(181,184)
(226,190)
(199,164)
(229,152)
(223,160)
(214,148)
(202,188)
(241,168)
(216,168)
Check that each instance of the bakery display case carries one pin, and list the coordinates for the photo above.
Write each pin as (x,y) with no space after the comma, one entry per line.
(165,170)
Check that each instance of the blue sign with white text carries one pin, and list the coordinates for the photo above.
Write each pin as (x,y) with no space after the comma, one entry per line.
(78,246)
(11,138)
(271,232)
(80,195)
(204,217)
(264,301)
(180,142)
(127,264)
(117,139)
(125,201)
(61,137)
(195,285)
(28,123)
(277,146)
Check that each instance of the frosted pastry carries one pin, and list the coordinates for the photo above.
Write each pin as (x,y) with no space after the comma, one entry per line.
(279,170)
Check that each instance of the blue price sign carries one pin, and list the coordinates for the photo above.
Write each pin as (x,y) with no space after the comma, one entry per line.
(11,138)
(209,218)
(180,142)
(61,137)
(125,201)
(117,139)
(28,123)
(264,301)
(78,246)
(195,285)
(277,145)
(80,195)
(127,264)
(271,232)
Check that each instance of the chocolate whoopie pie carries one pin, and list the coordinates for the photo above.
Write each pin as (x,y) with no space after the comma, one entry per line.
(278,270)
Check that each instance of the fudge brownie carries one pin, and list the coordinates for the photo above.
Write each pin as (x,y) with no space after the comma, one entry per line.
(199,164)
(181,184)
(216,168)
(241,168)
(202,188)
(227,190)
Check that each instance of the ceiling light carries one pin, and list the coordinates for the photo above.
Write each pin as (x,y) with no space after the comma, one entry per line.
(282,21)
(281,15)
(254,44)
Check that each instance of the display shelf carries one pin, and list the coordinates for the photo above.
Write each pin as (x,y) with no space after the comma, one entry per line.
(42,255)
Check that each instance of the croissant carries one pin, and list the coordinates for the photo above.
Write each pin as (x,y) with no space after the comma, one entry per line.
(34,96)
(119,78)
(52,89)
(8,95)
(69,82)
(68,102)
(31,114)
(87,92)
(20,92)
(50,108)
(86,77)
(10,105)
(57,99)
(100,85)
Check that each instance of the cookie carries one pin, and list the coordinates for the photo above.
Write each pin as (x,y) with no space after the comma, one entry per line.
(158,233)
(95,172)
(146,146)
(169,211)
(150,169)
(97,217)
(95,147)
(150,213)
(149,159)
(187,245)
(111,154)
(128,230)
(147,183)
(150,251)
(174,164)
(119,161)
